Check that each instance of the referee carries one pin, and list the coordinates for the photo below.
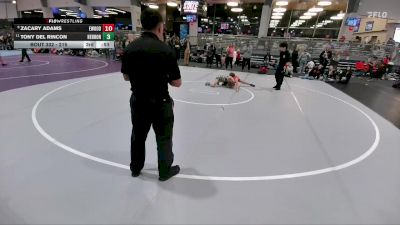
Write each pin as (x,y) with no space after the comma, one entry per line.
(150,65)
(284,58)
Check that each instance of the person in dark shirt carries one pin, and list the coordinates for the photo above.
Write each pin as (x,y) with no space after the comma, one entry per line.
(150,65)
(345,76)
(177,46)
(24,54)
(317,72)
(295,59)
(284,58)
(325,57)
(209,55)
(218,55)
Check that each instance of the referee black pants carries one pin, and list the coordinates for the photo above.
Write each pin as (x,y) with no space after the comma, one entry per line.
(25,54)
(160,115)
(228,60)
(279,75)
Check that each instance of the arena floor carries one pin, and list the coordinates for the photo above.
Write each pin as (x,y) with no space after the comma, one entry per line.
(308,154)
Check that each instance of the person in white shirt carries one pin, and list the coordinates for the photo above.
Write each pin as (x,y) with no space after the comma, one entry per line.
(310,65)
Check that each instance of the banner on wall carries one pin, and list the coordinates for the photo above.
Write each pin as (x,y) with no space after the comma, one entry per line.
(224,26)
(397,35)
(369,26)
(190,6)
(382,15)
(183,31)
(197,7)
(380,9)
(136,12)
(191,18)
(353,23)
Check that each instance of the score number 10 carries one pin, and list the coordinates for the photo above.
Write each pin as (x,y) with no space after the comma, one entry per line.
(108,32)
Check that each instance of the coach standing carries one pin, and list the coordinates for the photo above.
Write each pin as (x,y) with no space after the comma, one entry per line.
(284,58)
(150,65)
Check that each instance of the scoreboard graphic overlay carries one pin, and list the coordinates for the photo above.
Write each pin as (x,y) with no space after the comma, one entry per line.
(64,33)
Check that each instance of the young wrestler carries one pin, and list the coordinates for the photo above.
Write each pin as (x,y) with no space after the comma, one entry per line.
(231,81)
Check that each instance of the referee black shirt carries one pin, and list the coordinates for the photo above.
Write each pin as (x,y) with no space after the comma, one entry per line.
(150,65)
(284,57)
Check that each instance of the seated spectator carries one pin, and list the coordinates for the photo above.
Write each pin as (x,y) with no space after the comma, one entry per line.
(314,73)
(389,68)
(267,58)
(317,72)
(386,60)
(360,65)
(373,68)
(325,57)
(310,65)
(376,69)
(289,69)
(332,73)
(381,70)
(359,68)
(345,75)
(367,68)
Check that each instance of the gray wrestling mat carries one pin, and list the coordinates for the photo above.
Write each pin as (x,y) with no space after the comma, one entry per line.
(308,154)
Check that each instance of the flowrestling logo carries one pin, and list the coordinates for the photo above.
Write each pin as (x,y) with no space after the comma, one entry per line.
(382,15)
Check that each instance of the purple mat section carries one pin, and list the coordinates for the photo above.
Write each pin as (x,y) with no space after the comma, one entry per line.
(46,68)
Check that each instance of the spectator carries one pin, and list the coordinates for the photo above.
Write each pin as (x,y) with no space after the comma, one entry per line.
(267,58)
(360,65)
(317,71)
(325,57)
(295,59)
(345,76)
(304,58)
(332,73)
(214,50)
(230,53)
(247,52)
(289,70)
(386,60)
(238,57)
(391,42)
(310,65)
(381,70)
(209,55)
(186,56)
(175,42)
(218,56)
